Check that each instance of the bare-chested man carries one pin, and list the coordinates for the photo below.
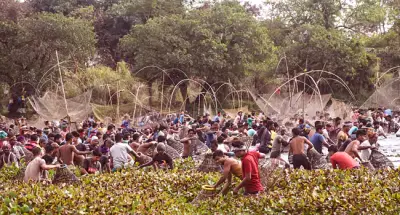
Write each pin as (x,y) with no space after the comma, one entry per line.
(67,152)
(144,147)
(189,144)
(231,167)
(353,147)
(297,148)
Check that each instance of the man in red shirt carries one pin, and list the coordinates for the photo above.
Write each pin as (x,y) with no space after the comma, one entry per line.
(342,159)
(251,177)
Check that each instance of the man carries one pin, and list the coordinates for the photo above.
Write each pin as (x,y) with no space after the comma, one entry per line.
(68,153)
(297,149)
(32,143)
(318,139)
(328,128)
(189,144)
(265,137)
(353,148)
(8,158)
(342,136)
(120,153)
(250,174)
(231,167)
(379,130)
(239,118)
(278,144)
(217,118)
(160,159)
(51,151)
(302,124)
(92,165)
(135,142)
(36,166)
(341,160)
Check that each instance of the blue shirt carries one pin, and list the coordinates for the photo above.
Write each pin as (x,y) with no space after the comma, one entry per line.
(181,118)
(353,130)
(317,139)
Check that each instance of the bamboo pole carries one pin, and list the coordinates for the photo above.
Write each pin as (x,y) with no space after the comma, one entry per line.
(62,88)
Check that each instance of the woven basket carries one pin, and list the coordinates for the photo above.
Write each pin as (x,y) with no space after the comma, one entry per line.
(272,171)
(65,174)
(172,152)
(209,164)
(317,160)
(207,192)
(178,146)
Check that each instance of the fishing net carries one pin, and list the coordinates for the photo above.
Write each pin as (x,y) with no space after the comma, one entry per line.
(178,146)
(386,96)
(368,165)
(232,113)
(65,175)
(142,159)
(380,161)
(209,164)
(339,109)
(272,171)
(52,106)
(317,160)
(285,106)
(172,152)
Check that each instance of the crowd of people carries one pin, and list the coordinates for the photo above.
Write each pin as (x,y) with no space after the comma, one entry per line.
(237,144)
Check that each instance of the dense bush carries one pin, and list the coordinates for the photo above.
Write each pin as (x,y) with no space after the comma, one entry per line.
(147,192)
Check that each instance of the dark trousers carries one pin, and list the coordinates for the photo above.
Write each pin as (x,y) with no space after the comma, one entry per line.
(301,160)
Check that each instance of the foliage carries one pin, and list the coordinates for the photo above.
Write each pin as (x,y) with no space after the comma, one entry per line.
(136,191)
(28,47)
(201,45)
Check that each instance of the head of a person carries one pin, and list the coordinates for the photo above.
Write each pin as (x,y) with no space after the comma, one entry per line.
(75,134)
(135,137)
(282,130)
(328,127)
(301,121)
(34,138)
(161,148)
(214,145)
(37,151)
(118,137)
(346,127)
(49,149)
(161,139)
(6,149)
(94,141)
(332,149)
(99,135)
(239,148)
(361,135)
(110,128)
(319,128)
(376,124)
(69,138)
(127,136)
(219,157)
(191,133)
(42,142)
(96,155)
(58,138)
(338,121)
(276,126)
(215,126)
(296,132)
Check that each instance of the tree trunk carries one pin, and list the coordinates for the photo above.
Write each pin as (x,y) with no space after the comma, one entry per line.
(184,88)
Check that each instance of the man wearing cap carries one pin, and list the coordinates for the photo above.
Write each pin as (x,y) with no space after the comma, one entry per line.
(250,174)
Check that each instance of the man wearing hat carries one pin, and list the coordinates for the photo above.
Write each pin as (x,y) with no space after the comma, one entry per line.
(251,178)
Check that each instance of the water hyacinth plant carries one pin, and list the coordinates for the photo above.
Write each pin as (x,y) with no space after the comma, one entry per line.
(135,191)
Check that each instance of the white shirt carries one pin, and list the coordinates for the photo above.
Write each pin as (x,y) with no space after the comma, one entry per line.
(325,133)
(120,154)
(366,153)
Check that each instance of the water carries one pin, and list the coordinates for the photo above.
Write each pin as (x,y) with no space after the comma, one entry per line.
(391,148)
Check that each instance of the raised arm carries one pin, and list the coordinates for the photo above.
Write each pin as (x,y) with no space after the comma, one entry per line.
(76,151)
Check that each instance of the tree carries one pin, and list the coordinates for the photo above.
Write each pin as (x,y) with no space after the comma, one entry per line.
(27,49)
(310,48)
(216,44)
(117,19)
